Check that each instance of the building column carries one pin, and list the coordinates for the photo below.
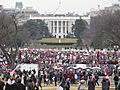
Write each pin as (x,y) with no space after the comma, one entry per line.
(53,27)
(62,28)
(57,29)
(65,27)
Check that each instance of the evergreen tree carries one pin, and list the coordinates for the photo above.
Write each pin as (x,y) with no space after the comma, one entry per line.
(78,28)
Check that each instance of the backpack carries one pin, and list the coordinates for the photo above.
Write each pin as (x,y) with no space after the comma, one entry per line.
(36,87)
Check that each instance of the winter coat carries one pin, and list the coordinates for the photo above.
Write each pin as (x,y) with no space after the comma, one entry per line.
(20,86)
(82,85)
(79,87)
(11,85)
(68,86)
(116,80)
(104,85)
(108,84)
(31,86)
(59,88)
(91,85)
(118,87)
(2,84)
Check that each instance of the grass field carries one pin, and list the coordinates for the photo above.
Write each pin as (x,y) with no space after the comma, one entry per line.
(51,46)
(54,41)
(72,87)
(57,40)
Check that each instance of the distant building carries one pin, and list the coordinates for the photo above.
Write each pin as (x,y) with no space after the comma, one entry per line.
(110,9)
(22,14)
(18,5)
(60,25)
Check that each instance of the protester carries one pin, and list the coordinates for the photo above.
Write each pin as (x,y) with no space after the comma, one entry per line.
(82,85)
(79,88)
(59,87)
(55,80)
(31,85)
(108,83)
(2,83)
(63,84)
(86,78)
(96,79)
(40,82)
(118,87)
(20,86)
(11,84)
(67,85)
(116,80)
(91,84)
(104,84)
(47,59)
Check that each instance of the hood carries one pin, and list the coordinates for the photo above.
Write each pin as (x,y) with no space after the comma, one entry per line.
(10,82)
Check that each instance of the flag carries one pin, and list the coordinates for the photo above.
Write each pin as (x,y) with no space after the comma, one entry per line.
(110,58)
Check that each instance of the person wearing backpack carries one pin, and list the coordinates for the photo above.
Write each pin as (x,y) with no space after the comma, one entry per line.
(116,80)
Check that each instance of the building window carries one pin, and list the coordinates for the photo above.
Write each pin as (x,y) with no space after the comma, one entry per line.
(55,29)
(52,23)
(63,23)
(55,23)
(63,29)
(55,36)
(51,29)
(59,29)
(59,23)
(35,20)
(67,23)
(67,30)
(59,36)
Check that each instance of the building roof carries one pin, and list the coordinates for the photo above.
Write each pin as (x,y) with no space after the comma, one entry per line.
(54,18)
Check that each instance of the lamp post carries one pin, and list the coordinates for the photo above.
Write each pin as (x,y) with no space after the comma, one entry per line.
(116,47)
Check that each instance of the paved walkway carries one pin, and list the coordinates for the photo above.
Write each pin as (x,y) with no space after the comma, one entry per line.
(73,87)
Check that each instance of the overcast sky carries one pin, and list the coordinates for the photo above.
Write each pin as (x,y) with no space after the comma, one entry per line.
(50,6)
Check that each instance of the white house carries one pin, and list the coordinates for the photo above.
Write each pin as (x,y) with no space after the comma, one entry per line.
(59,25)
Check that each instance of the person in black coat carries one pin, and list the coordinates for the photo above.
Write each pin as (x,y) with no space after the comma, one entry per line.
(11,84)
(67,85)
(55,79)
(2,84)
(40,82)
(91,84)
(20,86)
(118,87)
(116,80)
(31,85)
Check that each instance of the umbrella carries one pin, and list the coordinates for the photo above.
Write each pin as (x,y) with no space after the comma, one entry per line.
(98,68)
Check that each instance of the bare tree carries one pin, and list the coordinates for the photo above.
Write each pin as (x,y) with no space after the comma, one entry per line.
(7,34)
(11,36)
(106,29)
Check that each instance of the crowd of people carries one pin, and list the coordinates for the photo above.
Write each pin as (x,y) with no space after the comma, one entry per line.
(28,80)
(68,56)
(107,60)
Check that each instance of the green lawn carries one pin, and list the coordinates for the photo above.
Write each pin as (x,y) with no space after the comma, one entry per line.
(54,40)
(52,46)
(57,40)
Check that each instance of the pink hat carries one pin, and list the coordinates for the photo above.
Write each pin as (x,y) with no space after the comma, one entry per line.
(104,78)
(107,77)
(67,79)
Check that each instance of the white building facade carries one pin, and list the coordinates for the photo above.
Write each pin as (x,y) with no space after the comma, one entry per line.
(59,25)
